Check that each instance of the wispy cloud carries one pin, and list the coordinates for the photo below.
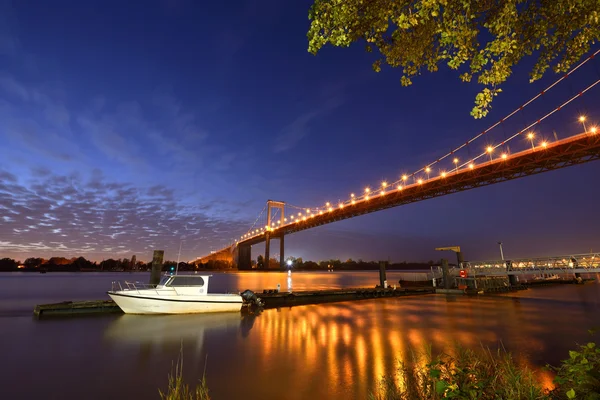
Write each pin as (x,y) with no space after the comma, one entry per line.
(300,127)
(10,86)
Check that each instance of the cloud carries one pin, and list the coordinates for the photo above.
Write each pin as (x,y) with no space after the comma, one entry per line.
(10,85)
(6,176)
(68,215)
(294,132)
(299,128)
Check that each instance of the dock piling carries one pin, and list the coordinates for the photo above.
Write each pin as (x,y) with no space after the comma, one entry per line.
(157,263)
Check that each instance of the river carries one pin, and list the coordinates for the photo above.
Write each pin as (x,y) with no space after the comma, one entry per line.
(328,351)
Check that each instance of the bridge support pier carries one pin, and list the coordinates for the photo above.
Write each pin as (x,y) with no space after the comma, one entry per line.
(512,280)
(244,257)
(281,253)
(267,249)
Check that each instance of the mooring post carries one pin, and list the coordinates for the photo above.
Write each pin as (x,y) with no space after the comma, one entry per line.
(460,259)
(445,273)
(157,263)
(382,277)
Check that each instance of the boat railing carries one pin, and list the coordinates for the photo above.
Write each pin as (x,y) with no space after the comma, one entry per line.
(132,286)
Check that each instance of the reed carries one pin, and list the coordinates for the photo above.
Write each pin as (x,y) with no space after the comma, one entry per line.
(467,374)
(179,390)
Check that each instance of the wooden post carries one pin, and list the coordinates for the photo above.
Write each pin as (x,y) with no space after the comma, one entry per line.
(445,273)
(157,263)
(382,277)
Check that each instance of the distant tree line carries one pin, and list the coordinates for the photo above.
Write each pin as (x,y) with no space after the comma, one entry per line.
(298,264)
(81,264)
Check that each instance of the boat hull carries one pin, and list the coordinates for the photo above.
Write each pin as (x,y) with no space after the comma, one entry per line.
(140,303)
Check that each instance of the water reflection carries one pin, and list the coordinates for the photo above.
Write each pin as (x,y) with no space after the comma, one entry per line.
(351,345)
(168,329)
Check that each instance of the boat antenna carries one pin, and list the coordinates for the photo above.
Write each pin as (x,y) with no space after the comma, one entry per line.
(178,255)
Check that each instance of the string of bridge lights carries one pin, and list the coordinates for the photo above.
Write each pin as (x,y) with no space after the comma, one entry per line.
(403,182)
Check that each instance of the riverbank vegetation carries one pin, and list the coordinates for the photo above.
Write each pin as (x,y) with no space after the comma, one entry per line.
(484,374)
(466,374)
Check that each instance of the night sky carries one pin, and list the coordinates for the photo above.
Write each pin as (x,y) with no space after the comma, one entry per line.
(127,127)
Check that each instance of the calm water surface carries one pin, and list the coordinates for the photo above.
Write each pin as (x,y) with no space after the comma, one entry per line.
(331,351)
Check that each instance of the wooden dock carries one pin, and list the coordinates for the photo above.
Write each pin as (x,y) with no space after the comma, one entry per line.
(271,299)
(285,299)
(71,308)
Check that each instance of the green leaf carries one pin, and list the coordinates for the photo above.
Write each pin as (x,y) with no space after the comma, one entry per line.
(435,373)
(571,394)
(573,354)
(440,387)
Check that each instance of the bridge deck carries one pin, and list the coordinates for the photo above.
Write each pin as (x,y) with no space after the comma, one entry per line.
(574,150)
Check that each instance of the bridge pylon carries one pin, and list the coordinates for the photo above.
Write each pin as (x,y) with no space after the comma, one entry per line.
(274,221)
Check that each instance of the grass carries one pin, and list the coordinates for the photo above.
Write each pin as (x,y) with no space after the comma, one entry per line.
(469,374)
(179,390)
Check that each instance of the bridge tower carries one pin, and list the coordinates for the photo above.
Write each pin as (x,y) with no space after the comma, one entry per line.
(272,208)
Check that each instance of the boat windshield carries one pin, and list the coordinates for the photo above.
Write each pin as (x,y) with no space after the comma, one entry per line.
(164,280)
(183,280)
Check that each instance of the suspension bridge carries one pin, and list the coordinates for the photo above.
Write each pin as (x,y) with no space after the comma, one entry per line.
(496,164)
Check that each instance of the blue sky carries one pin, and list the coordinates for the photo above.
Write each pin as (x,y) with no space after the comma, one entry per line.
(126,128)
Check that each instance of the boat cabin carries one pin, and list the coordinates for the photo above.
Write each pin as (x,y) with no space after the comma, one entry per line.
(185,281)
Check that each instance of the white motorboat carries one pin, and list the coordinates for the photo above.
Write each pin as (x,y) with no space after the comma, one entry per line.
(175,294)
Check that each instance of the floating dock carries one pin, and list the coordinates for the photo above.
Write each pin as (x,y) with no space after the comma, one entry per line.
(270,298)
(283,299)
(71,308)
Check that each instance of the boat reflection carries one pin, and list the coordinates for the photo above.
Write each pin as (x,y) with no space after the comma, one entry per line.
(169,329)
